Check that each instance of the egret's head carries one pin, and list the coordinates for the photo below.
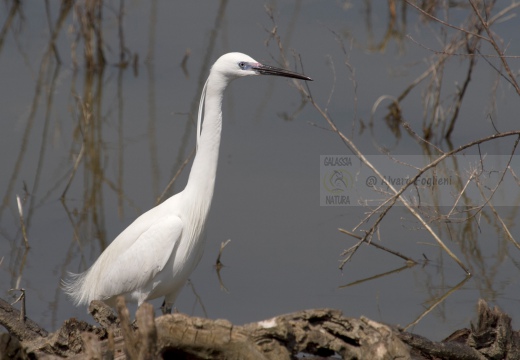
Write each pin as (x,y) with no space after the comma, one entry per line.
(235,65)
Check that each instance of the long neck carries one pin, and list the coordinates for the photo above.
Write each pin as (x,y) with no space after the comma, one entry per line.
(201,181)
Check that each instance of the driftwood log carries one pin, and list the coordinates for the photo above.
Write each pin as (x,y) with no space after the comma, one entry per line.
(320,333)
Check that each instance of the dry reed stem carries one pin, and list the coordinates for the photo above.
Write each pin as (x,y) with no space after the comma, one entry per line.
(172,181)
(305,92)
(436,303)
(380,247)
(492,41)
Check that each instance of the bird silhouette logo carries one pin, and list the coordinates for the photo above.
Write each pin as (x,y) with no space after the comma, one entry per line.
(337,181)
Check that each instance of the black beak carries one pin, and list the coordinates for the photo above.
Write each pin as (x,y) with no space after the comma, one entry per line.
(271,70)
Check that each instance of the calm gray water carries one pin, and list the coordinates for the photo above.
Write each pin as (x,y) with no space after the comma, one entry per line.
(285,248)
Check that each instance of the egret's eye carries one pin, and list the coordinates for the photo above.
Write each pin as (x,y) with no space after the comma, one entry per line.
(242,65)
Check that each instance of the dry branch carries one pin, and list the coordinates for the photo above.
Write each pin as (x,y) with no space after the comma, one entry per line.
(485,24)
(23,330)
(491,338)
(396,194)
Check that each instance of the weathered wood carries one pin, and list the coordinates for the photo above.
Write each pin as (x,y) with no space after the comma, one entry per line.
(131,339)
(451,350)
(11,348)
(66,341)
(23,329)
(491,338)
(103,314)
(145,318)
(321,333)
(493,334)
(140,344)
(181,336)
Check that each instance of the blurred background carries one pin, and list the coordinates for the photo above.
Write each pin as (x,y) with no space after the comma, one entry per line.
(98,107)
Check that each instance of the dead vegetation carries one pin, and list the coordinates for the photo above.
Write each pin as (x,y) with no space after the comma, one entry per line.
(464,44)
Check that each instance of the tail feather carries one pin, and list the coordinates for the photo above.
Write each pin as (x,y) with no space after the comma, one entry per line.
(73,286)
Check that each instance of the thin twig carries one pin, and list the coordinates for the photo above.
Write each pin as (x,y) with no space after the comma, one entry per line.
(437,302)
(20,299)
(197,297)
(493,42)
(22,222)
(381,247)
(502,223)
(172,181)
(444,22)
(218,263)
(461,192)
(378,276)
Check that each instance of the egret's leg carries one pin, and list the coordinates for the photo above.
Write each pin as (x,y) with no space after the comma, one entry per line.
(168,302)
(166,308)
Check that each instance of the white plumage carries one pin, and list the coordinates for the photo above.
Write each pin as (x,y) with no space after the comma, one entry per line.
(155,255)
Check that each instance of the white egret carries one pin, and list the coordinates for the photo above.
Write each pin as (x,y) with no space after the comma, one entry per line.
(155,255)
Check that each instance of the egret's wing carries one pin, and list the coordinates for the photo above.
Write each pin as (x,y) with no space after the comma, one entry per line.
(140,263)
